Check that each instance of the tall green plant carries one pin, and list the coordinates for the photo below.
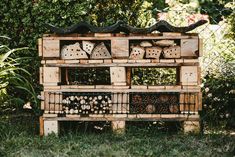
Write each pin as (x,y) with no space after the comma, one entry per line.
(12,78)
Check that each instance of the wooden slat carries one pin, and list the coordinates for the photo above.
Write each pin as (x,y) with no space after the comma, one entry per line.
(41,123)
(200,47)
(40,46)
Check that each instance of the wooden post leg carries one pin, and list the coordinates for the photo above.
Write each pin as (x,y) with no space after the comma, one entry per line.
(51,126)
(118,127)
(191,127)
(41,123)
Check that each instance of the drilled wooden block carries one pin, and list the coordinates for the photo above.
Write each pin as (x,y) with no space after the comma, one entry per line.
(51,48)
(51,75)
(118,74)
(171,52)
(88,46)
(100,52)
(189,47)
(189,75)
(73,51)
(120,48)
(137,53)
(153,52)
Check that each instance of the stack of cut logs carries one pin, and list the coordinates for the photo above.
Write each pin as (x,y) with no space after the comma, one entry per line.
(154,49)
(88,50)
(87,104)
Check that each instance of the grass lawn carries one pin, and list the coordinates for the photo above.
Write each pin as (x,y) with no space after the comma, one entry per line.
(18,140)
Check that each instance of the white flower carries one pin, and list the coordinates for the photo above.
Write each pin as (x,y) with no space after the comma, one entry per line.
(216,99)
(209,95)
(207,89)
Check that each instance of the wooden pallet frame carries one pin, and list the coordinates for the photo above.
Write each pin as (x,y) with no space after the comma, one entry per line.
(120,64)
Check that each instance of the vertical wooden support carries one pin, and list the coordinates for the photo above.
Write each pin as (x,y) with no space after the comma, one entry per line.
(189,75)
(41,123)
(40,47)
(118,75)
(191,127)
(51,75)
(200,47)
(52,102)
(51,47)
(128,76)
(120,48)
(118,127)
(189,47)
(51,126)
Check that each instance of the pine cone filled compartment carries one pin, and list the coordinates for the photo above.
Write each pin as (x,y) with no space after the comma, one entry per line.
(154,103)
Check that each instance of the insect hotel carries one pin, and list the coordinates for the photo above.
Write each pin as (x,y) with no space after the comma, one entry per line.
(88,73)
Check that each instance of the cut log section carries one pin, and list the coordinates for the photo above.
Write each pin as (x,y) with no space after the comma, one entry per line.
(73,51)
(164,43)
(171,52)
(153,52)
(146,44)
(88,46)
(100,52)
(137,52)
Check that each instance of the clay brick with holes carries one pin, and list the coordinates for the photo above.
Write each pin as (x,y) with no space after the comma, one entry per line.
(73,51)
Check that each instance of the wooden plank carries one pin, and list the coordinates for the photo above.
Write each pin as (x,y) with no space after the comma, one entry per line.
(51,127)
(142,61)
(41,124)
(120,48)
(94,61)
(199,75)
(118,75)
(155,60)
(129,117)
(167,61)
(71,61)
(41,80)
(156,87)
(108,61)
(120,60)
(189,75)
(139,87)
(179,60)
(173,87)
(171,34)
(51,48)
(83,61)
(51,75)
(189,47)
(191,61)
(200,47)
(103,34)
(200,101)
(128,76)
(40,47)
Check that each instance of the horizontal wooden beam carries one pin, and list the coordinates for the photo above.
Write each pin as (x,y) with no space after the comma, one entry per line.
(126,117)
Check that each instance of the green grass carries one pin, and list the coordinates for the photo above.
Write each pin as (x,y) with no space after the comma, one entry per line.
(18,140)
